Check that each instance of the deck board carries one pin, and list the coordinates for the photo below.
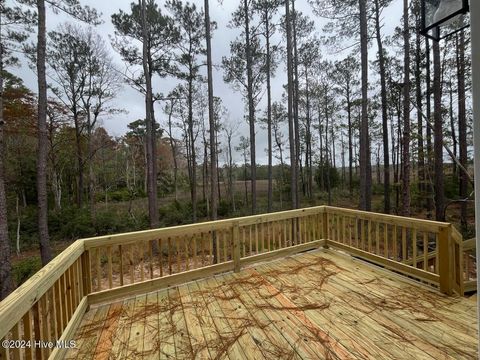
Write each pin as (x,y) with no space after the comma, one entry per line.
(315,305)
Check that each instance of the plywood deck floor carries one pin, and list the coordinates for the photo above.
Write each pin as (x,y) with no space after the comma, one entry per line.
(315,305)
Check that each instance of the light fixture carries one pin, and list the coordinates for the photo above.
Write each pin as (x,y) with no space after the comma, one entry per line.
(442,18)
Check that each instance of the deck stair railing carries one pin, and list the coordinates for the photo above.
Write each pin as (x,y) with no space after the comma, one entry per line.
(49,306)
(470,270)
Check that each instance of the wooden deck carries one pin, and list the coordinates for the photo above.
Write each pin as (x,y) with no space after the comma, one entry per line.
(316,305)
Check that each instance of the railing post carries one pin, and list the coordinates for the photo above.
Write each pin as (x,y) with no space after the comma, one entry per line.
(86,273)
(325,227)
(445,260)
(236,247)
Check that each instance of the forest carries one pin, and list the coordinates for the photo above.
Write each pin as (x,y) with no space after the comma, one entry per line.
(342,103)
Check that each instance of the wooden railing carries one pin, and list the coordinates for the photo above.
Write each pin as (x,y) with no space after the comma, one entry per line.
(50,305)
(470,261)
(47,307)
(428,251)
(122,264)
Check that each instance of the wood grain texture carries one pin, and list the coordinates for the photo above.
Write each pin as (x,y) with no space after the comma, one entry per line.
(315,305)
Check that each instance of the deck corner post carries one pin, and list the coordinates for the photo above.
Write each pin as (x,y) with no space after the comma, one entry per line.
(325,228)
(445,257)
(236,247)
(86,273)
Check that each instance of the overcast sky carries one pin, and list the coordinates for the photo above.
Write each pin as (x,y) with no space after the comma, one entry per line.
(133,102)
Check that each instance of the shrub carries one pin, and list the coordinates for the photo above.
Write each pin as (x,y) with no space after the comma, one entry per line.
(224,208)
(327,173)
(25,268)
(71,223)
(176,213)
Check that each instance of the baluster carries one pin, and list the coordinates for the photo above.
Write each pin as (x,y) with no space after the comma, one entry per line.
(131,254)
(4,353)
(269,235)
(177,241)
(120,254)
(404,244)
(203,248)
(209,239)
(38,328)
(216,235)
(224,245)
(425,251)
(244,240)
(343,240)
(109,259)
(250,240)
(356,232)
(350,231)
(99,274)
(160,257)
(414,247)
(313,224)
(305,229)
(338,228)
(59,305)
(27,332)
(385,241)
(369,232)
(66,279)
(16,351)
(48,303)
(395,243)
(169,244)
(46,323)
(150,255)
(262,225)
(53,311)
(186,242)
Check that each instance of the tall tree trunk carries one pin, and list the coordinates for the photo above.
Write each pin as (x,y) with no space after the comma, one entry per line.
(245,177)
(328,163)
(350,145)
(452,127)
(6,285)
(230,172)
(406,114)
(296,99)
(398,172)
(193,152)
(269,111)
(291,136)
(219,171)
(365,161)
(308,138)
(428,183)
(211,121)
(79,155)
(154,154)
(438,135)
(383,86)
(343,163)
(462,126)
(91,174)
(42,150)
(149,123)
(322,158)
(419,97)
(251,108)
(173,147)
